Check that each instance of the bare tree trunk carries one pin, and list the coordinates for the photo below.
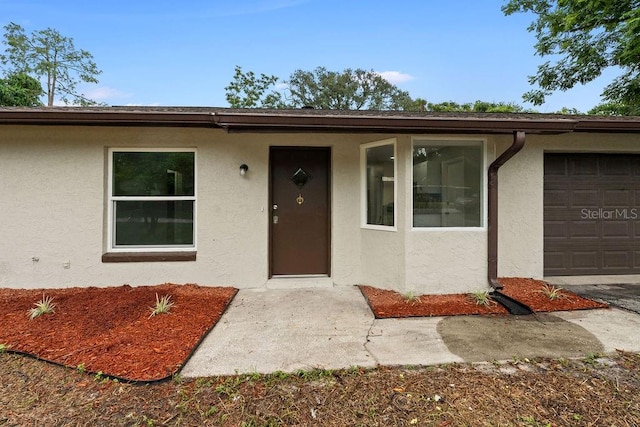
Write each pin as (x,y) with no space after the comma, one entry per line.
(51,89)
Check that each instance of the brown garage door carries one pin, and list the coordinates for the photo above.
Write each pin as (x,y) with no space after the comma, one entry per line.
(591,214)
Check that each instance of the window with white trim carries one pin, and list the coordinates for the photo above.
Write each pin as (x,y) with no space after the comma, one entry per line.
(379,184)
(152,199)
(448,183)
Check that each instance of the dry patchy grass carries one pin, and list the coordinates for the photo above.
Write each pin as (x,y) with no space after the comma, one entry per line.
(591,391)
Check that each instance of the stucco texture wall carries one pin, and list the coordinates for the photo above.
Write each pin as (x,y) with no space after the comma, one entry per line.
(53,182)
(52,207)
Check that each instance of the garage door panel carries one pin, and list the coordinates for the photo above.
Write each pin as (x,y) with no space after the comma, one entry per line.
(584,230)
(584,259)
(620,198)
(555,166)
(556,230)
(635,167)
(583,166)
(615,259)
(586,198)
(555,260)
(559,198)
(591,214)
(616,230)
(567,215)
(615,166)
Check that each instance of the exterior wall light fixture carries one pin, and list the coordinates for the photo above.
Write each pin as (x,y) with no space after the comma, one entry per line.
(243,169)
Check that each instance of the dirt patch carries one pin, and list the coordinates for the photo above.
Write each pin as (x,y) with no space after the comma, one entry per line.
(563,392)
(110,330)
(536,294)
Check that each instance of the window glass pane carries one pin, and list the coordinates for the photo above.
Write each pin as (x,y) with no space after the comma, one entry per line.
(141,223)
(380,187)
(447,185)
(153,173)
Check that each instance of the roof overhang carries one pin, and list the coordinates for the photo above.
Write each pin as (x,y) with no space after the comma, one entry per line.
(258,120)
(102,117)
(248,122)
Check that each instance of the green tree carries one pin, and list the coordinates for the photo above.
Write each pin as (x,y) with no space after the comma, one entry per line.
(322,89)
(248,91)
(615,109)
(347,90)
(20,90)
(48,54)
(584,37)
(476,107)
(568,111)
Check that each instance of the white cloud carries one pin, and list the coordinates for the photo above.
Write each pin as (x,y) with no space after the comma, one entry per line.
(153,104)
(104,93)
(395,77)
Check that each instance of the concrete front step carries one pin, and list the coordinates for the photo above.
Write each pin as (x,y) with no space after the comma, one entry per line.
(299,282)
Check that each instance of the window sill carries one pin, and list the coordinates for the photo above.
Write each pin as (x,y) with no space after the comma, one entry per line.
(379,227)
(148,256)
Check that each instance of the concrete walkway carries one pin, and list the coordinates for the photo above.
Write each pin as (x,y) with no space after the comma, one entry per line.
(267,330)
(623,295)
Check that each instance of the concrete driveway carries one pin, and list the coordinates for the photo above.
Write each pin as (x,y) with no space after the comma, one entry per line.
(625,296)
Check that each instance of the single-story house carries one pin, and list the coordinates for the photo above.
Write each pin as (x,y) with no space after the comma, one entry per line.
(255,198)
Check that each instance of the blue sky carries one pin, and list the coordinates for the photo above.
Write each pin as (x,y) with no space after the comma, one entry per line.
(174,53)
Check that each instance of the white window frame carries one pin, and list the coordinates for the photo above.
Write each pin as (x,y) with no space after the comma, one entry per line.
(452,141)
(363,185)
(111,201)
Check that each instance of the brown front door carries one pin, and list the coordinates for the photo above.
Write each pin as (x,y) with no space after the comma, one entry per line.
(299,202)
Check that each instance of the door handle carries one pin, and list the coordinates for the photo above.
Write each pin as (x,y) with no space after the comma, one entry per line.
(275,207)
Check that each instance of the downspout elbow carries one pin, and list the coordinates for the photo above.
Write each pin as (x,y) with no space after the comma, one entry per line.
(492,214)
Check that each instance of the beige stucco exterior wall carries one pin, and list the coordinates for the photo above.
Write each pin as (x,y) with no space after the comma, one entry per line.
(520,210)
(53,181)
(54,229)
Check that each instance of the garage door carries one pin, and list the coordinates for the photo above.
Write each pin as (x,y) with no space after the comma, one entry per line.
(591,214)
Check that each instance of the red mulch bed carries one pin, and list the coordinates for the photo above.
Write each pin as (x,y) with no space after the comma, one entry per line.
(110,330)
(531,292)
(390,304)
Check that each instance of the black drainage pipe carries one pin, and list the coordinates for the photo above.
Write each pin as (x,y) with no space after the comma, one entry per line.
(512,305)
(492,215)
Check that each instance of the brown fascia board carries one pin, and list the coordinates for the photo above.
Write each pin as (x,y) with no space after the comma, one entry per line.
(609,125)
(261,121)
(72,117)
(368,123)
